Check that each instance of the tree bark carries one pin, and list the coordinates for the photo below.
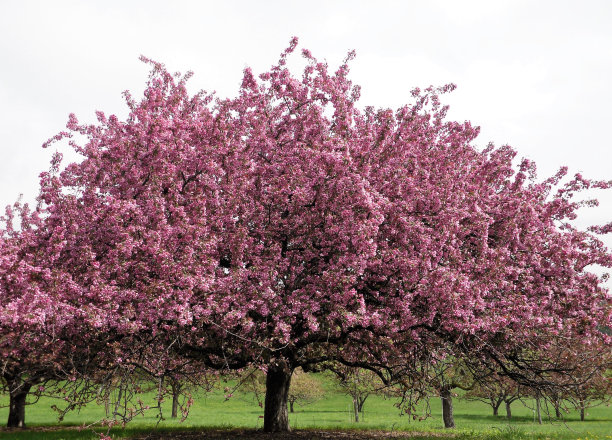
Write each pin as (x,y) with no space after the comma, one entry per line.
(538,409)
(17,403)
(356,408)
(278,380)
(495,410)
(176,392)
(557,411)
(581,411)
(508,410)
(447,408)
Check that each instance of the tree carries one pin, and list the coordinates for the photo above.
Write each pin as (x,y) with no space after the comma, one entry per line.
(285,228)
(37,352)
(448,373)
(592,380)
(594,392)
(304,389)
(359,384)
(495,390)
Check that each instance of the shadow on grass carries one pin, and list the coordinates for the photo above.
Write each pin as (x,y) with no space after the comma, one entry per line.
(494,419)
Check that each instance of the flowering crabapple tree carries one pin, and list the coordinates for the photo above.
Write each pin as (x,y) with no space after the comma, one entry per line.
(286,227)
(39,353)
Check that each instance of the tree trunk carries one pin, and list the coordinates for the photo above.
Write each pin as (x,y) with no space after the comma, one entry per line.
(160,393)
(582,411)
(278,379)
(538,409)
(447,408)
(17,403)
(557,411)
(175,396)
(508,410)
(356,408)
(361,401)
(291,406)
(495,404)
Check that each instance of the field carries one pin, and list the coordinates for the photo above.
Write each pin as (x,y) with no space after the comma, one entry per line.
(214,415)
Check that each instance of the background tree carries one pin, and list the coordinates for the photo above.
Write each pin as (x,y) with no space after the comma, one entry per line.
(305,389)
(592,380)
(495,390)
(359,384)
(40,351)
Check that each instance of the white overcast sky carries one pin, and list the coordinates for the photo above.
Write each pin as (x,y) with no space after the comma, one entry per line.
(533,74)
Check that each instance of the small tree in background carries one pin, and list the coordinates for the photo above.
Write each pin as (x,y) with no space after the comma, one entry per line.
(494,391)
(593,387)
(359,384)
(305,388)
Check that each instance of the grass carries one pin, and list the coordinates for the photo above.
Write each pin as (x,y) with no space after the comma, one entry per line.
(473,419)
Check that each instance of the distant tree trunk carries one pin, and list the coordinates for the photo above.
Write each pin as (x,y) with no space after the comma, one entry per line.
(17,403)
(447,408)
(278,380)
(176,392)
(496,407)
(508,410)
(582,408)
(557,406)
(291,401)
(361,401)
(107,405)
(356,408)
(538,409)
(160,393)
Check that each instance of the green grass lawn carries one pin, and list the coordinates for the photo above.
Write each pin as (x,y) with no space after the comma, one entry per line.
(473,419)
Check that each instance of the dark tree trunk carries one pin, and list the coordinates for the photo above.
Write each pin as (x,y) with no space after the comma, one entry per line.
(447,408)
(278,379)
(508,410)
(581,411)
(538,409)
(291,406)
(557,411)
(361,401)
(176,394)
(495,404)
(356,408)
(17,404)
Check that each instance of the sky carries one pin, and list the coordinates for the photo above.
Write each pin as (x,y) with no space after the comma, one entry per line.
(534,75)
